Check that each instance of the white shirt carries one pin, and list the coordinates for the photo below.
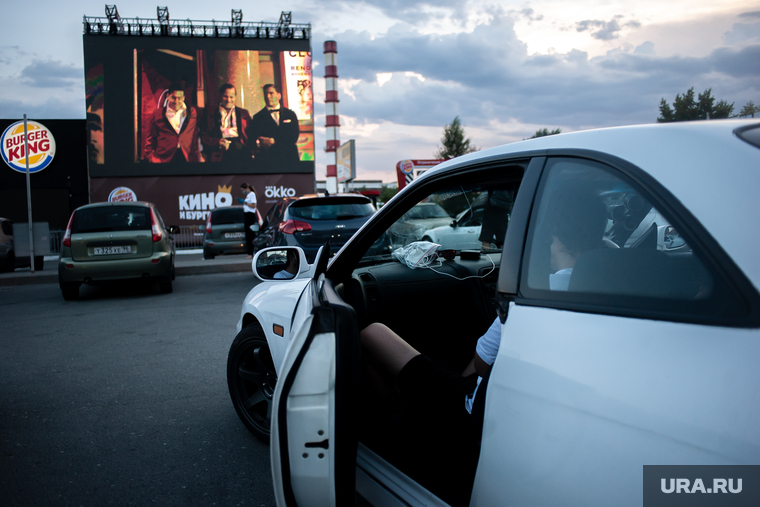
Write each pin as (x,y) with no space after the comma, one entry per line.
(275,112)
(561,279)
(487,348)
(229,123)
(249,206)
(176,118)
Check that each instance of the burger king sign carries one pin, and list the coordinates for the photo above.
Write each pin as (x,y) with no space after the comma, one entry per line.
(41,146)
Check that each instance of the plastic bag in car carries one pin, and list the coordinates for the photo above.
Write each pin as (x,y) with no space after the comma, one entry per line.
(418,254)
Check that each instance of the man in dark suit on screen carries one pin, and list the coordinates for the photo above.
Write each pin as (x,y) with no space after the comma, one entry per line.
(226,136)
(274,130)
(173,133)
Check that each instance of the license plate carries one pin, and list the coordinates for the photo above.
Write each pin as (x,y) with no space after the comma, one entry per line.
(111,250)
(234,235)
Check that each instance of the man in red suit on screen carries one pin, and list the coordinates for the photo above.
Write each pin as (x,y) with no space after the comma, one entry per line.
(173,134)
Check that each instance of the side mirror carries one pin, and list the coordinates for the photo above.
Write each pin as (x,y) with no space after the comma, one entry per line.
(174,229)
(453,224)
(279,263)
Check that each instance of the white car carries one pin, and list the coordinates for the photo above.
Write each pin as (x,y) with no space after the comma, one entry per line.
(615,356)
(463,232)
(416,221)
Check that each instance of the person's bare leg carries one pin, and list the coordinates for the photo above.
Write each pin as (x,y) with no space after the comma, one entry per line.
(385,349)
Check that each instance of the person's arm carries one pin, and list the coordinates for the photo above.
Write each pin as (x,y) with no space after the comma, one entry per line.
(477,365)
(485,351)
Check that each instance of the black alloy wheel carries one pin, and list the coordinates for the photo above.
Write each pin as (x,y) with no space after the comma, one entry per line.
(251,379)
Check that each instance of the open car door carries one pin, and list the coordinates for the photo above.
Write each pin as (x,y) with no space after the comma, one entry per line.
(314,440)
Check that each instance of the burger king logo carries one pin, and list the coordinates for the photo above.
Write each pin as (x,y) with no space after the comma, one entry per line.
(41,146)
(122,194)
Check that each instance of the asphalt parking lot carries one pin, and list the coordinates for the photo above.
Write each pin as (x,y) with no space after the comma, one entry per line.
(120,398)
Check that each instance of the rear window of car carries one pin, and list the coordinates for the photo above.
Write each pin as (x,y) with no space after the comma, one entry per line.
(227,216)
(331,209)
(111,218)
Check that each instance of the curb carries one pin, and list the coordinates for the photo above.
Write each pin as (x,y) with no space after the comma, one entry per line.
(29,279)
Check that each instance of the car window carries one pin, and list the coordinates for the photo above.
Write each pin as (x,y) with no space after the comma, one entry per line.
(595,236)
(331,209)
(223,216)
(447,216)
(111,218)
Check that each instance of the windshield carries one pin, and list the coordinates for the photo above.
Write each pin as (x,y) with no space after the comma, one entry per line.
(428,210)
(227,216)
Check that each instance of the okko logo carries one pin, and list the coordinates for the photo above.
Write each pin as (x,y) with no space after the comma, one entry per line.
(685,486)
(41,146)
(198,206)
(279,192)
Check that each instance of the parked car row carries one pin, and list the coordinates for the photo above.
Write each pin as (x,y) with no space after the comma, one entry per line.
(107,242)
(628,294)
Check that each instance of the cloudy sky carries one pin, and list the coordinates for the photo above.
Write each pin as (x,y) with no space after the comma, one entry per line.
(408,67)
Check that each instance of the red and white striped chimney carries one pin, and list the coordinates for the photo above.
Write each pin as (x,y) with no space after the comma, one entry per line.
(333,118)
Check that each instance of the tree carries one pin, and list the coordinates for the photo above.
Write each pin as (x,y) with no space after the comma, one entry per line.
(688,108)
(386,193)
(454,142)
(545,132)
(749,109)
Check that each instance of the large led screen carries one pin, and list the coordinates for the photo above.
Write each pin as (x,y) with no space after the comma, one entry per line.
(160,106)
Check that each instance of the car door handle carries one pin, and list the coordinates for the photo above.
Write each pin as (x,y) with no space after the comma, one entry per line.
(324,444)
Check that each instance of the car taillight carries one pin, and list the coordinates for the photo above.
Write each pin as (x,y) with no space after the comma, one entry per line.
(154,226)
(67,237)
(293,226)
(208,224)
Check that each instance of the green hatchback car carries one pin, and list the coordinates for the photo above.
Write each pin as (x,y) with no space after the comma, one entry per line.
(112,241)
(225,232)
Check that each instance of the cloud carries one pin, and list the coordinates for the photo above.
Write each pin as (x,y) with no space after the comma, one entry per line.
(51,74)
(605,30)
(52,108)
(742,32)
(753,14)
(486,75)
(646,48)
(10,53)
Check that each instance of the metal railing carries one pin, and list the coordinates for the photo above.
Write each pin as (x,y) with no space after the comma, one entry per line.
(189,237)
(189,28)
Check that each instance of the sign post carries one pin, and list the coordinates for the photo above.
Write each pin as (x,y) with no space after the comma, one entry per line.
(15,147)
(28,197)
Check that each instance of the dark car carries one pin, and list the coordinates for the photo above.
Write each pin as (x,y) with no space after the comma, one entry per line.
(270,227)
(112,241)
(310,221)
(225,232)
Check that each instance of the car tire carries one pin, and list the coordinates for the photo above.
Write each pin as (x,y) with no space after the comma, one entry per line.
(251,379)
(39,263)
(70,291)
(427,238)
(207,254)
(166,286)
